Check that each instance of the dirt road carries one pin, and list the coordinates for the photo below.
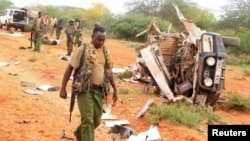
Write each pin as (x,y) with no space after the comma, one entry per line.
(42,117)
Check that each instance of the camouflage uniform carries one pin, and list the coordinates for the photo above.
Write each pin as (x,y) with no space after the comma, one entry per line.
(37,30)
(90,99)
(70,33)
(78,34)
(59,27)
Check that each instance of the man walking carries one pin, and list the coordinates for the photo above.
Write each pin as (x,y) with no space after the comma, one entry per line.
(37,30)
(92,66)
(70,33)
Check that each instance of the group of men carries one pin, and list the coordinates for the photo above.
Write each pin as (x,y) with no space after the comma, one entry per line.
(92,65)
(40,27)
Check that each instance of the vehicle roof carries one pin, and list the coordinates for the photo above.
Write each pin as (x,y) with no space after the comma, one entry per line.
(14,9)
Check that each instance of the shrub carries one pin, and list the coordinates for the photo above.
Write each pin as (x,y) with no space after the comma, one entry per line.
(235,101)
(33,59)
(184,114)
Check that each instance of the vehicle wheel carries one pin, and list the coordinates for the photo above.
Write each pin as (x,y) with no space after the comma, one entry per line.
(231,41)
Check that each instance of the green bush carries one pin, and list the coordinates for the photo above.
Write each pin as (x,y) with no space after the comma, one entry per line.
(123,91)
(33,58)
(184,114)
(236,101)
(126,74)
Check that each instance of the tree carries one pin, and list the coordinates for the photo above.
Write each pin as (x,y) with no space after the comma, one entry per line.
(164,9)
(235,11)
(144,7)
(5,4)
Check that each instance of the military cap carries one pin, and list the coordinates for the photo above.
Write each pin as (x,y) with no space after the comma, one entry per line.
(71,20)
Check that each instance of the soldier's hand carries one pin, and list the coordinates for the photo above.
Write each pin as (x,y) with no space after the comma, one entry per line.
(63,93)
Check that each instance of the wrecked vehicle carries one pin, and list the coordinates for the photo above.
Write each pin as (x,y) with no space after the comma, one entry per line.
(190,64)
(16,18)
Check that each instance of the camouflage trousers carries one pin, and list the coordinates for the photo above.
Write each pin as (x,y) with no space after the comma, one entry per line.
(90,104)
(58,33)
(78,36)
(37,36)
(70,43)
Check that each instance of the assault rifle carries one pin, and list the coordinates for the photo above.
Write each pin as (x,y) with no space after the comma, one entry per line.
(72,104)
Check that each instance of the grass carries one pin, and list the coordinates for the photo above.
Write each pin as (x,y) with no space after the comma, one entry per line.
(126,74)
(185,114)
(123,91)
(237,102)
(242,60)
(33,58)
(246,72)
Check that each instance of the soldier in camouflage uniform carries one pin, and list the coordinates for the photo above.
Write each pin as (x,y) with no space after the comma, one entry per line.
(59,27)
(70,33)
(92,65)
(78,34)
(37,30)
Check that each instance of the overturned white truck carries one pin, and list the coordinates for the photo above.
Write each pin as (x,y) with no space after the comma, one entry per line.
(190,64)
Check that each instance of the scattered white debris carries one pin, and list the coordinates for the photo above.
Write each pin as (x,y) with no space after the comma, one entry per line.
(27,84)
(117,122)
(32,92)
(106,116)
(4,64)
(17,62)
(151,135)
(64,57)
(45,87)
(16,34)
(118,70)
(129,80)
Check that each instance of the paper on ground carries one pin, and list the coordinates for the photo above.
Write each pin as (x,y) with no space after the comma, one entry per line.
(151,135)
(45,87)
(32,92)
(107,116)
(117,122)
(4,64)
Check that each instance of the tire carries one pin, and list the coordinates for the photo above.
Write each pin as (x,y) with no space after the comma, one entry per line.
(231,41)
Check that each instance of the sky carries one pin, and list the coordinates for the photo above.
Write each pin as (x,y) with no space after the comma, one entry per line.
(115,6)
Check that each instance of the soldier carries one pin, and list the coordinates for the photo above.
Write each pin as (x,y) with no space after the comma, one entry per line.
(78,34)
(37,30)
(59,27)
(92,65)
(70,33)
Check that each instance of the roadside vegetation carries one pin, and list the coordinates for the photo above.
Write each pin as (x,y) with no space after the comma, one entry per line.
(136,20)
(237,102)
(185,114)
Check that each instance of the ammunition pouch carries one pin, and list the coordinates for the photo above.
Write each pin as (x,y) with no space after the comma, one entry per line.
(82,79)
